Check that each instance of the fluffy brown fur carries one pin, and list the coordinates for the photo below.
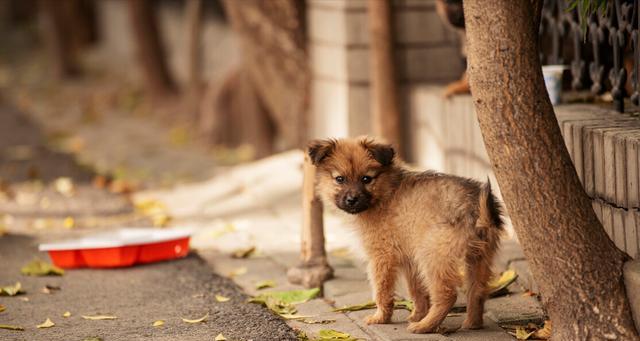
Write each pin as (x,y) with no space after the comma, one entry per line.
(425,226)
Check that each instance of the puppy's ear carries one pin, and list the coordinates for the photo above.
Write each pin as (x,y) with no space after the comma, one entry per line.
(319,149)
(383,153)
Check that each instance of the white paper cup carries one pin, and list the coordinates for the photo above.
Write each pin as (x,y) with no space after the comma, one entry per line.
(553,81)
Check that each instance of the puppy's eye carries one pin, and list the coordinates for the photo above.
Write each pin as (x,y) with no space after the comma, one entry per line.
(366,179)
(340,179)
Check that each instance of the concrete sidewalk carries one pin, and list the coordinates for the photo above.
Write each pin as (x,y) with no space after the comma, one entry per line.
(258,205)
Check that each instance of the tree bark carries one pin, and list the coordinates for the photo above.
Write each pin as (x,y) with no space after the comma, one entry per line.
(385,108)
(577,267)
(58,40)
(149,49)
(193,29)
(273,41)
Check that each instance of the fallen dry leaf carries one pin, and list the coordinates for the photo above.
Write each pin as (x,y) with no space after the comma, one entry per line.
(400,304)
(265,284)
(221,298)
(312,321)
(545,332)
(202,319)
(220,337)
(238,271)
(11,290)
(47,289)
(99,317)
(64,186)
(243,253)
(66,314)
(69,223)
(522,334)
(10,327)
(499,285)
(158,323)
(294,316)
(2,308)
(528,293)
(46,324)
(227,228)
(93,338)
(331,334)
(39,268)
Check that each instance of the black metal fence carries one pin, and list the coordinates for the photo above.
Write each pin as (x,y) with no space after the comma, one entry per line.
(604,58)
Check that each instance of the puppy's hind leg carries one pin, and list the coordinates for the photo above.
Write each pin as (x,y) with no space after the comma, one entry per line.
(418,293)
(442,293)
(477,276)
(383,273)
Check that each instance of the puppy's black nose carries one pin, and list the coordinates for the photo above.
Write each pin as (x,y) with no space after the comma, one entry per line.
(352,200)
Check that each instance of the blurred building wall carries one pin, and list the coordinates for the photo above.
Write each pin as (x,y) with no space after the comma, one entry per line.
(220,51)
(428,52)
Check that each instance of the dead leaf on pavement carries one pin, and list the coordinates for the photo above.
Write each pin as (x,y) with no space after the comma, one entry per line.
(64,186)
(66,314)
(341,252)
(243,253)
(545,332)
(11,290)
(2,308)
(265,284)
(202,319)
(498,286)
(528,293)
(294,316)
(69,223)
(158,323)
(220,337)
(330,334)
(356,307)
(522,334)
(155,210)
(221,298)
(46,324)
(39,268)
(99,317)
(49,288)
(399,304)
(227,228)
(312,321)
(10,327)
(93,338)
(238,271)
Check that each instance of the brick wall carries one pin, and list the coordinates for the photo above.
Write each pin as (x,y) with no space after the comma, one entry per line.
(428,52)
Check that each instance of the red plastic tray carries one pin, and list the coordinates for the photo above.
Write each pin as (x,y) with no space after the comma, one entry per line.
(121,248)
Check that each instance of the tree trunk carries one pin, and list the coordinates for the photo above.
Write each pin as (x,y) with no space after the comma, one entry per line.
(193,29)
(273,41)
(577,267)
(385,108)
(58,41)
(149,50)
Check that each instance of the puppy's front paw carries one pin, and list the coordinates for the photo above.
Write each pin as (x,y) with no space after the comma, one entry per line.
(416,316)
(470,324)
(417,328)
(377,318)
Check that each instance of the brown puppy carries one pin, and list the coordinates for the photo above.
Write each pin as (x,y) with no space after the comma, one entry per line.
(423,225)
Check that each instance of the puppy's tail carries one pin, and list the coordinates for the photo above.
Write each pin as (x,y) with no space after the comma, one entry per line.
(490,209)
(489,225)
(488,230)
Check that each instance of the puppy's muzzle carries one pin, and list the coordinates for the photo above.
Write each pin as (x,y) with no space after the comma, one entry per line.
(354,202)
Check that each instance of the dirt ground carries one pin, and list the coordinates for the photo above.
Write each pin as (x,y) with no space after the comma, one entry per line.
(138,296)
